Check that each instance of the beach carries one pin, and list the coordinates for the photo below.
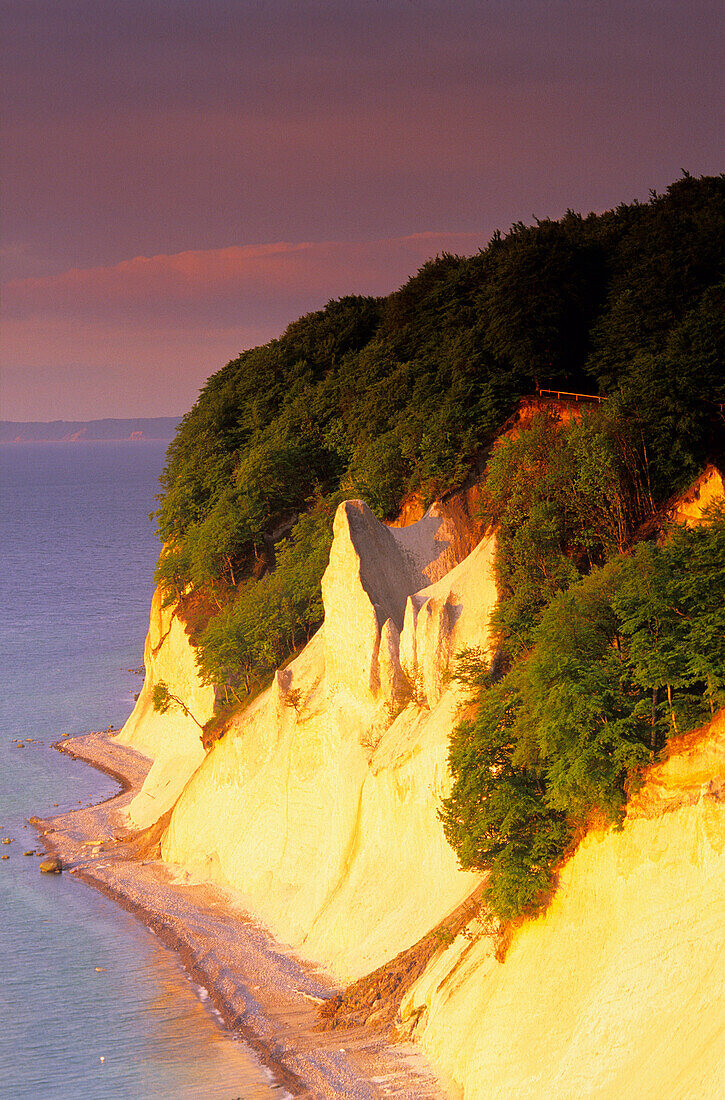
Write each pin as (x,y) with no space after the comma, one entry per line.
(261,989)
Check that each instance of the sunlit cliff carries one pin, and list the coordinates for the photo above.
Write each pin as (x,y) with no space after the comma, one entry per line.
(319,805)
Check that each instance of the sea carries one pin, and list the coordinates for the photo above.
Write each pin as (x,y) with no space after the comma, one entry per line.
(92,1004)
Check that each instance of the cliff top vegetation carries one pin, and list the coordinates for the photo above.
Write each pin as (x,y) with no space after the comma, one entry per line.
(599,664)
(378,398)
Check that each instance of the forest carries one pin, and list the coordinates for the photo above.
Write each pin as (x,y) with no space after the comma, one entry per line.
(606,649)
(379,398)
(607,644)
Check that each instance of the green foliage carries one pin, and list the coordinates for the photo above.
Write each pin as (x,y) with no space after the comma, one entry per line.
(384,397)
(565,498)
(496,817)
(252,636)
(625,657)
(672,610)
(658,341)
(546,288)
(163,700)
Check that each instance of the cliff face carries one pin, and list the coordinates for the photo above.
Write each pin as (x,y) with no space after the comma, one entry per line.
(320,803)
(707,490)
(171,739)
(619,989)
(320,807)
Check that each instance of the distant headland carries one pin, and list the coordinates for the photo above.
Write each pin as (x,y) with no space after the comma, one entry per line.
(143,428)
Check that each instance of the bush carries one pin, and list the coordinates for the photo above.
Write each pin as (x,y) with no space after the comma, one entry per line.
(624,658)
(253,635)
(384,397)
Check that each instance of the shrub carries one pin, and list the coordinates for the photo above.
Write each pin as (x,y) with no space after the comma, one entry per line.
(624,658)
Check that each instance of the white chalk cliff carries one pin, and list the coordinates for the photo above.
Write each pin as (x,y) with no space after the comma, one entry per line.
(320,803)
(171,739)
(618,990)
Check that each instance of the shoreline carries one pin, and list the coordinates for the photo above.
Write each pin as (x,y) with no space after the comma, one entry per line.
(266,996)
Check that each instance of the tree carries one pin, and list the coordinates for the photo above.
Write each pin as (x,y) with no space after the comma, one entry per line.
(387,397)
(164,700)
(565,734)
(565,499)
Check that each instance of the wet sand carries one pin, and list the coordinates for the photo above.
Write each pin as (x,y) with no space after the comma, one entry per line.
(264,993)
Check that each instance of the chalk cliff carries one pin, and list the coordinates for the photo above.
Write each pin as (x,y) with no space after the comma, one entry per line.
(618,990)
(171,739)
(319,806)
(706,490)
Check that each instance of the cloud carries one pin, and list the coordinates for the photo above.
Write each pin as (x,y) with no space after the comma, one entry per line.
(143,335)
(246,285)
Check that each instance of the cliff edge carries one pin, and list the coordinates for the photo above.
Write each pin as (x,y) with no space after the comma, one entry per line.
(320,803)
(171,740)
(618,990)
(319,807)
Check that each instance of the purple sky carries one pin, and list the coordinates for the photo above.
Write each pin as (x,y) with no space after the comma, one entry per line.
(181,178)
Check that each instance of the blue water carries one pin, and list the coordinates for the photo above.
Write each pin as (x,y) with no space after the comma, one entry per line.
(76,570)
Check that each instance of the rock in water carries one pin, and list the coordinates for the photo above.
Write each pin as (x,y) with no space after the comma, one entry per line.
(51,866)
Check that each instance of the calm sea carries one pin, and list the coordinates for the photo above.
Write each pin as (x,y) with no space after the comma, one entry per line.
(76,564)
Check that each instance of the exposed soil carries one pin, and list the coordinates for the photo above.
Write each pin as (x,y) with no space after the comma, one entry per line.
(374,1000)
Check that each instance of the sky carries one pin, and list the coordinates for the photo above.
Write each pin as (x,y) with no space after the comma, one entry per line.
(183,178)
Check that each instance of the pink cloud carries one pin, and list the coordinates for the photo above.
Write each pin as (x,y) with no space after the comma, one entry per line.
(140,337)
(241,279)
